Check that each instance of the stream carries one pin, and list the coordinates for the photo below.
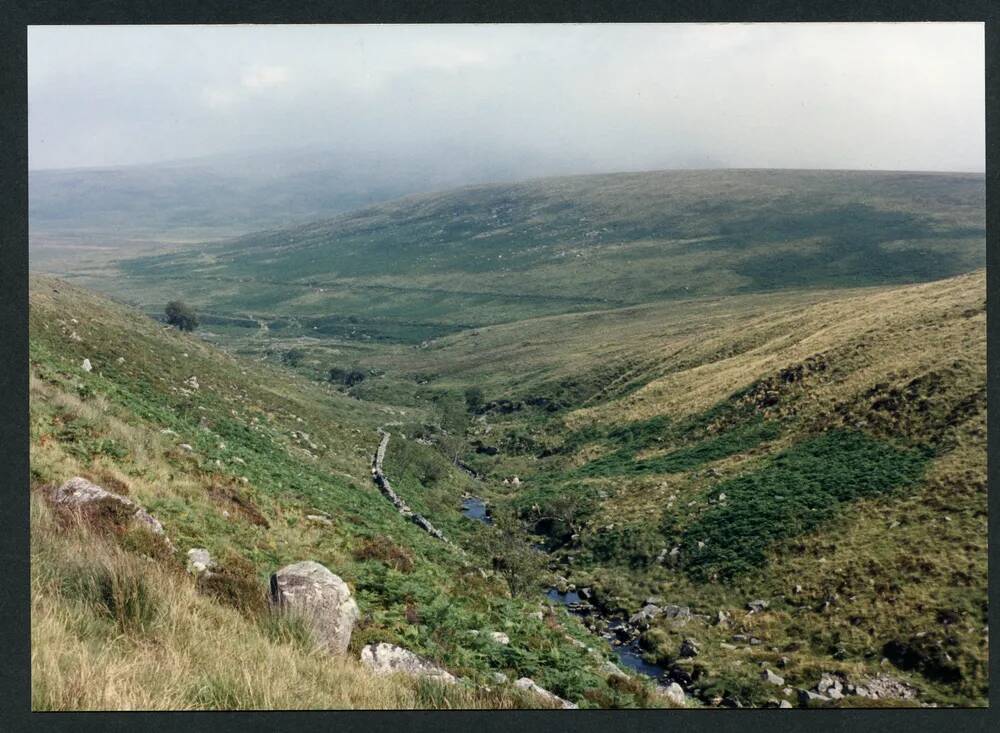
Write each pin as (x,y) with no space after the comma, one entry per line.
(628,653)
(475,508)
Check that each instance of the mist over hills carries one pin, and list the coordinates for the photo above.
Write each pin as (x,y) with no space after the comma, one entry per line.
(235,193)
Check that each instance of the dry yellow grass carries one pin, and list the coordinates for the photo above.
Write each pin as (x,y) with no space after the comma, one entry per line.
(184,651)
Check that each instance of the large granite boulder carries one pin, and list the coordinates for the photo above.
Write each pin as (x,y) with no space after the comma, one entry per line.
(388,659)
(310,591)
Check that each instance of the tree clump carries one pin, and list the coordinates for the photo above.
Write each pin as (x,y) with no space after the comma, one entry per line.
(346,377)
(181,315)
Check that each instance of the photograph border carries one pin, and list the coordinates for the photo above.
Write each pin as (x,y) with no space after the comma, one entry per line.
(15,713)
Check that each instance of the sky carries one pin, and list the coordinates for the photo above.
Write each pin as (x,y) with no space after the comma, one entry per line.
(905,96)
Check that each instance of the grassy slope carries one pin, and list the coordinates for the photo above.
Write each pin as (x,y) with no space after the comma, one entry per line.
(245,467)
(903,366)
(435,263)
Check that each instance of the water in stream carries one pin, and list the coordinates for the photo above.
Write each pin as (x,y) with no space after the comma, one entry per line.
(475,508)
(628,653)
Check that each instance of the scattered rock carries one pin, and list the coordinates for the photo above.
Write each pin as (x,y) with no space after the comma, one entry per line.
(321,598)
(757,606)
(120,360)
(771,678)
(689,648)
(526,683)
(192,382)
(385,659)
(86,365)
(500,638)
(186,447)
(319,519)
(884,687)
(199,561)
(784,705)
(808,697)
(499,677)
(674,693)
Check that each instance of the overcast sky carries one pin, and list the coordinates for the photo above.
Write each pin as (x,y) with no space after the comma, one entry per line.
(868,96)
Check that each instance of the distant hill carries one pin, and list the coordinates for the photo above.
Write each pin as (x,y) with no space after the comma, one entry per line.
(81,209)
(434,263)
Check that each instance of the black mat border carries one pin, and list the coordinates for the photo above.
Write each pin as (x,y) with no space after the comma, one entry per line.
(15,712)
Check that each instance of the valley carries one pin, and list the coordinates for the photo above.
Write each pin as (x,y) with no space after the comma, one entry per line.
(692,438)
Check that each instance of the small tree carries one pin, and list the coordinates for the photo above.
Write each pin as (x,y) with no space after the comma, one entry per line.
(181,315)
(506,547)
(473,398)
(293,357)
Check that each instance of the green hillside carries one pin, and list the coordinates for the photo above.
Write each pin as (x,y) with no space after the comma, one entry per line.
(236,465)
(687,390)
(794,449)
(432,264)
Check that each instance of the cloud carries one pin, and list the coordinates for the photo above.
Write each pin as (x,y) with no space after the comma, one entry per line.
(865,95)
(263,77)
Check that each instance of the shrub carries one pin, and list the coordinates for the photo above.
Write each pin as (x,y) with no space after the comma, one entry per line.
(384,550)
(346,377)
(235,585)
(473,398)
(293,357)
(181,315)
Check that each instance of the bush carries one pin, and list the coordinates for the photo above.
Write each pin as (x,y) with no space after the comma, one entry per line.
(181,315)
(293,357)
(346,377)
(384,550)
(473,398)
(236,585)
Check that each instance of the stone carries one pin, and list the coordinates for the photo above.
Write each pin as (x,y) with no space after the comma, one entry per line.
(120,360)
(192,382)
(674,693)
(79,493)
(722,618)
(322,599)
(757,606)
(86,366)
(673,611)
(784,705)
(771,678)
(828,682)
(500,638)
(526,683)
(319,519)
(689,648)
(808,697)
(186,447)
(199,561)
(385,659)
(498,677)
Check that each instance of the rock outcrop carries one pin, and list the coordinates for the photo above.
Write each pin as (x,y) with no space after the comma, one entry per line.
(320,598)
(389,659)
(79,493)
(526,683)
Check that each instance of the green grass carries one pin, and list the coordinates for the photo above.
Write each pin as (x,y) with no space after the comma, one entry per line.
(797,491)
(425,266)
